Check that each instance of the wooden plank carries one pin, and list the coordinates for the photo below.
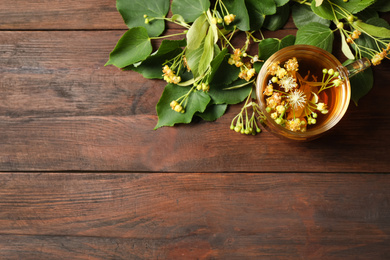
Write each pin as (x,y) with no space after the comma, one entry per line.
(56,92)
(66,14)
(128,143)
(192,216)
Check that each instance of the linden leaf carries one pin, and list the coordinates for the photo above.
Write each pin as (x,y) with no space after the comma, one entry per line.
(197,102)
(319,2)
(224,73)
(257,11)
(269,46)
(151,67)
(382,5)
(278,20)
(193,58)
(133,12)
(345,48)
(216,63)
(372,29)
(132,47)
(221,95)
(190,10)
(353,6)
(324,10)
(303,15)
(208,53)
(197,32)
(213,112)
(238,8)
(361,83)
(367,41)
(280,3)
(317,35)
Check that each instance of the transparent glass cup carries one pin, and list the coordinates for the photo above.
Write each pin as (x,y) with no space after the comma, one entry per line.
(312,58)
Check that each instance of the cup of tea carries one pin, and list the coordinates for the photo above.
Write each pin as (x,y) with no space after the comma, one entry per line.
(304,91)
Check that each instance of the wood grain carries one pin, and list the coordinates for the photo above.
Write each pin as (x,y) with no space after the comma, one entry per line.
(69,14)
(56,92)
(194,216)
(121,190)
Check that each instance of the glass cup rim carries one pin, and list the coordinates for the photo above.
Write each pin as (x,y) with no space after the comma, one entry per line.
(310,133)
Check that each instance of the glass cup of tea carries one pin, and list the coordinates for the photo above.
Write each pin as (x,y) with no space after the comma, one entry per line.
(304,91)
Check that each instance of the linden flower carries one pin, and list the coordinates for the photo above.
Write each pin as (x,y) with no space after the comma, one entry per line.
(291,64)
(281,72)
(173,104)
(247,74)
(269,90)
(176,106)
(322,108)
(229,18)
(294,124)
(280,109)
(297,99)
(273,68)
(356,34)
(169,75)
(288,83)
(376,60)
(186,63)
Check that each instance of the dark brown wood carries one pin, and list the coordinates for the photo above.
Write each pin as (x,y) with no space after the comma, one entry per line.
(83,175)
(59,94)
(194,216)
(69,14)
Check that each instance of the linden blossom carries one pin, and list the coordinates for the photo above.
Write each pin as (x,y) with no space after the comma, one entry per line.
(191,65)
(291,108)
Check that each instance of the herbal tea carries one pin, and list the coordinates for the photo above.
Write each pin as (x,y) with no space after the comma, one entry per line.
(301,93)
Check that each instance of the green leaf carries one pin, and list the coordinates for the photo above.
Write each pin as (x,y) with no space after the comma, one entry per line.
(367,14)
(345,48)
(216,63)
(353,6)
(316,34)
(319,2)
(167,46)
(380,22)
(324,10)
(220,95)
(382,6)
(208,53)
(197,102)
(197,32)
(133,12)
(151,67)
(269,46)
(213,112)
(193,59)
(132,47)
(277,21)
(224,74)
(190,10)
(372,29)
(280,2)
(367,41)
(257,11)
(303,15)
(361,83)
(238,8)
(213,28)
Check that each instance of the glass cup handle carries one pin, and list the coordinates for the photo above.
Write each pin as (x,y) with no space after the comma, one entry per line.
(357,66)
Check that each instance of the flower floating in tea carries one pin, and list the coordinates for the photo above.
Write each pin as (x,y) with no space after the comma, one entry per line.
(294,101)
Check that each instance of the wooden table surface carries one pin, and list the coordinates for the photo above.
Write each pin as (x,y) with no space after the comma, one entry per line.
(85,176)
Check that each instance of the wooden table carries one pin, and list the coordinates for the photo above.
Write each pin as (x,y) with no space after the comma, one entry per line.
(85,176)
